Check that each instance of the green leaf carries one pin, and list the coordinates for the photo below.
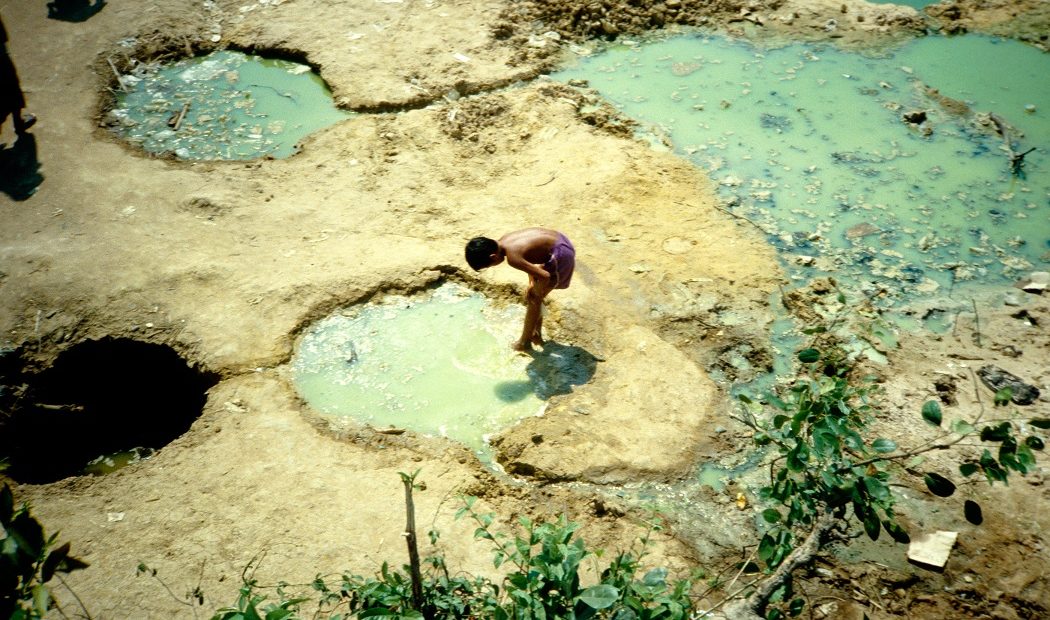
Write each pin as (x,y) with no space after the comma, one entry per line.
(896,532)
(41,598)
(796,607)
(1004,396)
(771,515)
(376,612)
(1025,457)
(931,412)
(872,525)
(774,614)
(962,427)
(600,596)
(883,446)
(969,468)
(808,356)
(991,468)
(766,547)
(772,399)
(972,511)
(1034,442)
(1040,423)
(655,578)
(939,485)
(1000,432)
(915,461)
(876,488)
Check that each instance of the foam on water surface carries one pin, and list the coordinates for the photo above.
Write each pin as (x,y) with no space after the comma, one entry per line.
(438,363)
(809,142)
(237,107)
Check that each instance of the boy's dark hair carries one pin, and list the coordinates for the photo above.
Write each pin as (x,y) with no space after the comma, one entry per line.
(480,251)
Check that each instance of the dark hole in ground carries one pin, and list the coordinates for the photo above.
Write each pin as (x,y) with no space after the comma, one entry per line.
(99,397)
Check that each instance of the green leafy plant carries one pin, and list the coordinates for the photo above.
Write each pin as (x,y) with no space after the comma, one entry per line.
(546,582)
(546,560)
(827,470)
(29,560)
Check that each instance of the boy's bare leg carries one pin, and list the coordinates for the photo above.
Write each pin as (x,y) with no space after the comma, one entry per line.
(532,316)
(532,331)
(537,335)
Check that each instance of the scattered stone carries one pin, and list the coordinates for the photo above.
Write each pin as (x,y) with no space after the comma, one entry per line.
(677,245)
(917,117)
(1022,315)
(945,386)
(996,379)
(932,549)
(1036,282)
(862,230)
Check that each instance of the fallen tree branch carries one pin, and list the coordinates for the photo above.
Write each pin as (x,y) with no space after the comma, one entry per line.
(754,606)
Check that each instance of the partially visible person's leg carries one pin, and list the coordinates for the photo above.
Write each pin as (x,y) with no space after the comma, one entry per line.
(533,315)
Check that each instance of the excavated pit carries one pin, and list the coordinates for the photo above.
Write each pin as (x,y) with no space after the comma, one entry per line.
(438,363)
(112,398)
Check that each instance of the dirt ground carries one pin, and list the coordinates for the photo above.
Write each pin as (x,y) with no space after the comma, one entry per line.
(226,263)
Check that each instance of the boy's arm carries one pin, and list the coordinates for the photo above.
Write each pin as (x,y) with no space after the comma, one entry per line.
(535,271)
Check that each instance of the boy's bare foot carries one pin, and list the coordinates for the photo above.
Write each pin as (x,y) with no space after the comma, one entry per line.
(522,347)
(537,340)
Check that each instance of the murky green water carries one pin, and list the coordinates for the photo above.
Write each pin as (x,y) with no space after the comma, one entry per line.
(236,107)
(439,364)
(809,142)
(109,463)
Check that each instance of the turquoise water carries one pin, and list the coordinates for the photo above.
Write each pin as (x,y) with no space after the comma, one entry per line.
(439,364)
(918,5)
(808,142)
(236,107)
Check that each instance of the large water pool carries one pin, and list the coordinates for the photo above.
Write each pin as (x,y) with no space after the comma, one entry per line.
(885,169)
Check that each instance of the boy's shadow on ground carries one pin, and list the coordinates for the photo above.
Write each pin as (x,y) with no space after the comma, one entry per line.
(554,370)
(74,10)
(20,169)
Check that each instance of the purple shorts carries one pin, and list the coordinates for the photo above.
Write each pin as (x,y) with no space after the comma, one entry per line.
(561,263)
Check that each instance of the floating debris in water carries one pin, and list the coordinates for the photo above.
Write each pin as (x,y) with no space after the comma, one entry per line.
(226,105)
(831,155)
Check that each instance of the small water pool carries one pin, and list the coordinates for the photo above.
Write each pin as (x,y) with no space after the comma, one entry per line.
(438,363)
(226,105)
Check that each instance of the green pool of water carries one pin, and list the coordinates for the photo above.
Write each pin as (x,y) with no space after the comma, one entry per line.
(236,106)
(809,142)
(439,364)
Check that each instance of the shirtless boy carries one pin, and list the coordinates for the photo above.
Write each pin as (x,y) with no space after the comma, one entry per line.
(546,255)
